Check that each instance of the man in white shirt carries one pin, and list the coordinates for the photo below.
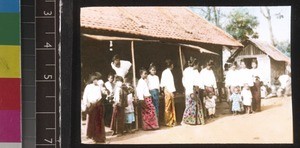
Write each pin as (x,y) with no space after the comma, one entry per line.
(121,67)
(167,83)
(285,85)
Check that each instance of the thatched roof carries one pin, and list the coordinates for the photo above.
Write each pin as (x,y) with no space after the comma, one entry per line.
(162,23)
(265,47)
(270,50)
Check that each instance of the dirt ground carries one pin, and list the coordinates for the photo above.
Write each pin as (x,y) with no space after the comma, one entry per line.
(274,124)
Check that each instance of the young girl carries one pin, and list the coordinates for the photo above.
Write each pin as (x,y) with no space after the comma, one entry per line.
(129,110)
(210,104)
(149,120)
(120,102)
(109,85)
(168,87)
(236,99)
(153,84)
(247,98)
(92,104)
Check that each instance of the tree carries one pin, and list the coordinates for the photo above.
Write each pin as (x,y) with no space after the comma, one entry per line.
(242,25)
(212,14)
(284,47)
(267,15)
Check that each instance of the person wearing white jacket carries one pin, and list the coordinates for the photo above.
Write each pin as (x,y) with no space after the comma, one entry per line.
(93,105)
(193,113)
(168,86)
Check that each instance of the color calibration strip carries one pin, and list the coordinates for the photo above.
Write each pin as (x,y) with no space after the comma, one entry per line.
(10,74)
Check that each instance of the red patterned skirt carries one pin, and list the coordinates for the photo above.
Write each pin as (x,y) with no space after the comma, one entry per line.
(148,115)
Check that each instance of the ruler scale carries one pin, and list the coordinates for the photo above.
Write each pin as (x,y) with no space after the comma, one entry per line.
(47,100)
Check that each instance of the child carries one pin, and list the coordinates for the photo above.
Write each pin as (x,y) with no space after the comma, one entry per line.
(210,104)
(149,120)
(129,110)
(110,86)
(153,84)
(235,99)
(247,98)
(120,102)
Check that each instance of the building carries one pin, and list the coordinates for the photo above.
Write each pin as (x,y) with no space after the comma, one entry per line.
(150,34)
(271,62)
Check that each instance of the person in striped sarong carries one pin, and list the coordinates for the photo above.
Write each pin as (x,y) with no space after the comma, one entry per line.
(149,119)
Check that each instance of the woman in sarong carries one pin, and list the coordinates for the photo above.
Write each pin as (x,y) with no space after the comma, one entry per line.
(193,113)
(92,104)
(149,119)
(168,87)
(255,89)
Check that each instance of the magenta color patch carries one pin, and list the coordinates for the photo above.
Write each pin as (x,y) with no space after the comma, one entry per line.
(10,126)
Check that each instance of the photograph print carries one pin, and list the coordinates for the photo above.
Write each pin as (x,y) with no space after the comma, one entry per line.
(186,75)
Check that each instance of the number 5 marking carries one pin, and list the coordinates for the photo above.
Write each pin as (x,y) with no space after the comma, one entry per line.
(46,77)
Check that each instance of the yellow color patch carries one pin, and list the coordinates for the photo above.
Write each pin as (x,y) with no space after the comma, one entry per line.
(10,61)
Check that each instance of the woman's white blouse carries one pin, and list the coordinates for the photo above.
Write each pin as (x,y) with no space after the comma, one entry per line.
(232,78)
(207,78)
(245,77)
(189,79)
(142,89)
(153,82)
(167,80)
(92,94)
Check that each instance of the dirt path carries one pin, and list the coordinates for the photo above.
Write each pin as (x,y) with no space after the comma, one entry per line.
(272,125)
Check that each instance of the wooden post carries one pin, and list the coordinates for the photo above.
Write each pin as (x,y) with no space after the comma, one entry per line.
(134,85)
(180,56)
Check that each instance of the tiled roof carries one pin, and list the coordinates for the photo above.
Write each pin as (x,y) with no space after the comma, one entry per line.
(270,50)
(174,23)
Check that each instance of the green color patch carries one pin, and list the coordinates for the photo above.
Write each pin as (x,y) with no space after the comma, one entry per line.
(10,29)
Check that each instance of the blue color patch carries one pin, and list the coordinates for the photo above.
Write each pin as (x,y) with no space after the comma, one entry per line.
(9,6)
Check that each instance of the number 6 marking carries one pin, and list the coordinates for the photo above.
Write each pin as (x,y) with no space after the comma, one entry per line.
(48,13)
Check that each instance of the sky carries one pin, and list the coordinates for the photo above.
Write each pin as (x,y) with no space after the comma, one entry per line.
(281,27)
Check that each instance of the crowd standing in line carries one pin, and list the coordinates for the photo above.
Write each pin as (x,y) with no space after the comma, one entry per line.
(201,92)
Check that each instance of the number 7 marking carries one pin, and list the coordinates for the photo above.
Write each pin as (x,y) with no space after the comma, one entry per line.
(49,140)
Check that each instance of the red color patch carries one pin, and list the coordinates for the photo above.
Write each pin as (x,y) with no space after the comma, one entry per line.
(10,93)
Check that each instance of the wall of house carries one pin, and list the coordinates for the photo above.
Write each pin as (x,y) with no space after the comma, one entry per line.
(263,60)
(278,68)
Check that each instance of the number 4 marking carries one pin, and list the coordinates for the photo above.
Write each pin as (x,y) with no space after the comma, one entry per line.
(47,45)
(49,140)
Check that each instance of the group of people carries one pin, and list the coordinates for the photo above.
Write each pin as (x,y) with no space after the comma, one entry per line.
(243,86)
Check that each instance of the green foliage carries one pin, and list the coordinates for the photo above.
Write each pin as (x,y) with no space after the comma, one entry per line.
(242,25)
(284,47)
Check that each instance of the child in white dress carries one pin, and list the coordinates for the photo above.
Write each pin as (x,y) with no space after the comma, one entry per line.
(210,104)
(235,99)
(247,98)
